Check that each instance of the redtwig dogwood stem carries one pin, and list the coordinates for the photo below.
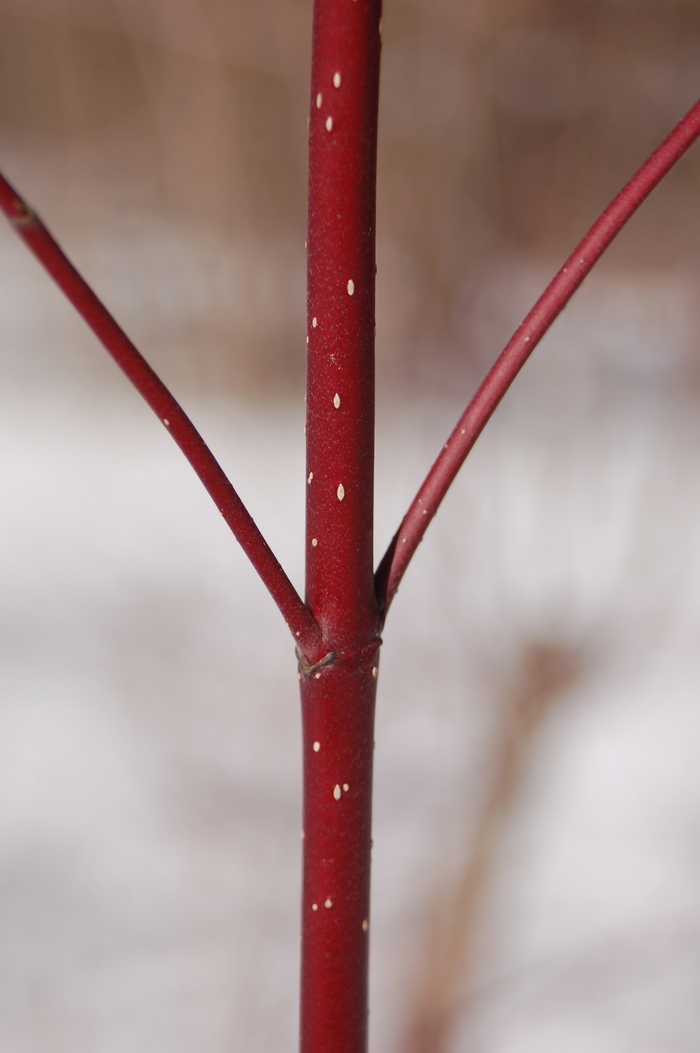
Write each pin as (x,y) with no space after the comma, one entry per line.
(337,630)
(338,697)
(521,345)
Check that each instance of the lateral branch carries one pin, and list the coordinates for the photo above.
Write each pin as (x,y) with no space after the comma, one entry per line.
(35,235)
(521,345)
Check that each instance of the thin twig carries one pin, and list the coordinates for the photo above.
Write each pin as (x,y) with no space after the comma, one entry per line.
(32,231)
(544,672)
(526,338)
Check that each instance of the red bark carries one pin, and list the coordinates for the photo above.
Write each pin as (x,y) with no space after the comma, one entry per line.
(338,696)
(338,735)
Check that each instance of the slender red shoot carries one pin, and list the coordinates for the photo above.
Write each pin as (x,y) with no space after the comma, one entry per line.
(521,345)
(32,231)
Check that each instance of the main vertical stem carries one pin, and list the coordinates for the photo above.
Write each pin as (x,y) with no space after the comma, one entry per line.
(338,694)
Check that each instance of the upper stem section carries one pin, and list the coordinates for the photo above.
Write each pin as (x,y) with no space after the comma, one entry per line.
(341,280)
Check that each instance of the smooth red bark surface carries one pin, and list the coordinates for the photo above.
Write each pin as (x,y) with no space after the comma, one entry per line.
(338,697)
(49,253)
(338,736)
(516,353)
(340,309)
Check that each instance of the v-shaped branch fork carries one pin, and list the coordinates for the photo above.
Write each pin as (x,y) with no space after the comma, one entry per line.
(298,616)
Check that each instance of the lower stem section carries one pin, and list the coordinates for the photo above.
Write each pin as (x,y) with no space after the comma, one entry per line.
(338,702)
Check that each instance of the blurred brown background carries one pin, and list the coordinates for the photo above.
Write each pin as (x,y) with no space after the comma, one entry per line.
(177,127)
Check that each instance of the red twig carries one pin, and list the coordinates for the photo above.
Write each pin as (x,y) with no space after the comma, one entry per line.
(49,253)
(518,350)
(338,697)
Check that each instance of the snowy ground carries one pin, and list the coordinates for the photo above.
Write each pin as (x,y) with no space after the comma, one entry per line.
(149,730)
